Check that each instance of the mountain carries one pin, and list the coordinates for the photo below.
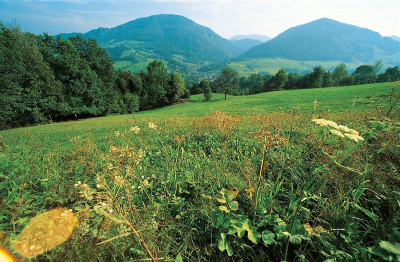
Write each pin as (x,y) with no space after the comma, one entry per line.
(242,45)
(395,37)
(163,37)
(328,40)
(261,38)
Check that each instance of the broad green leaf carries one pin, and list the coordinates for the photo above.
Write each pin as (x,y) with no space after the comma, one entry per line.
(268,237)
(390,247)
(222,201)
(234,205)
(233,193)
(223,245)
(224,208)
(295,239)
(252,233)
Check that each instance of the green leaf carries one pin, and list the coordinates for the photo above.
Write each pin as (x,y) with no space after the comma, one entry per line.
(390,247)
(178,258)
(268,237)
(252,233)
(223,245)
(224,208)
(366,212)
(234,205)
(295,239)
(222,201)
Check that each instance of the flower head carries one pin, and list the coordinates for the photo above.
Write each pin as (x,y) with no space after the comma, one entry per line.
(324,122)
(354,137)
(152,125)
(336,132)
(135,129)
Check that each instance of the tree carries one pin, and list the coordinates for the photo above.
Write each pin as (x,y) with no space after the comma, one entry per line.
(26,81)
(176,88)
(364,74)
(205,85)
(228,81)
(390,74)
(155,85)
(279,79)
(316,77)
(338,74)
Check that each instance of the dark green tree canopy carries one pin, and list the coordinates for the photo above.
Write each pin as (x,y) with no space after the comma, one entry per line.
(228,81)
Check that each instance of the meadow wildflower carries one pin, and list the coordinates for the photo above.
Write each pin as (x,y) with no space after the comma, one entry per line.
(336,132)
(324,122)
(354,137)
(135,129)
(152,125)
(116,133)
(348,130)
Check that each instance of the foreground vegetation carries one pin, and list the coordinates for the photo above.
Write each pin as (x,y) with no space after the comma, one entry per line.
(241,181)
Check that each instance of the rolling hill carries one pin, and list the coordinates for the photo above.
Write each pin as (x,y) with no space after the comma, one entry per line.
(328,40)
(167,37)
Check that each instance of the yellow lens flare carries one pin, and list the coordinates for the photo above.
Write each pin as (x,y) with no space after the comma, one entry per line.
(4,256)
(45,232)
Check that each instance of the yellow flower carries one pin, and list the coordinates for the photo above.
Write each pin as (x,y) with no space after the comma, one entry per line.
(152,125)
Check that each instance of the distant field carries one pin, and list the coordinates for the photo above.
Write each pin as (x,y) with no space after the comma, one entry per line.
(271,65)
(347,98)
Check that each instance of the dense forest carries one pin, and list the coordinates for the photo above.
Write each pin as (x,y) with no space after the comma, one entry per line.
(46,79)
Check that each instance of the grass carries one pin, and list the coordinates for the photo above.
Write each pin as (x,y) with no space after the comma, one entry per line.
(241,179)
(272,65)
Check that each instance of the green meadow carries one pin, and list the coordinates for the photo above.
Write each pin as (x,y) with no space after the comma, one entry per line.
(253,178)
(272,65)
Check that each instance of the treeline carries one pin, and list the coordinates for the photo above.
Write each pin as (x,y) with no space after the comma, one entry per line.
(229,81)
(44,79)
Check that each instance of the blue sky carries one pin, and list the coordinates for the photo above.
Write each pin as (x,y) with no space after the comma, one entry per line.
(225,17)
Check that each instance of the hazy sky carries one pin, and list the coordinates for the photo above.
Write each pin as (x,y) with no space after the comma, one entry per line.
(225,17)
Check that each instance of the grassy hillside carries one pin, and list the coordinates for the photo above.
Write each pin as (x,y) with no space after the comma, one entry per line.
(247,67)
(241,179)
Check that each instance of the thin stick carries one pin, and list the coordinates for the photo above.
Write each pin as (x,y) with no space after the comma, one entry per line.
(96,238)
(111,239)
(136,232)
(243,172)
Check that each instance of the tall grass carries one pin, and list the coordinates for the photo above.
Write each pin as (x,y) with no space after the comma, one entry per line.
(218,187)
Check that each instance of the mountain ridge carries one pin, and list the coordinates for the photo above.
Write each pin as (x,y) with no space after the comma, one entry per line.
(326,40)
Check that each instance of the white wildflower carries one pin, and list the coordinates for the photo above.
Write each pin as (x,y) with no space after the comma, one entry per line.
(324,122)
(336,132)
(354,137)
(152,125)
(348,130)
(135,129)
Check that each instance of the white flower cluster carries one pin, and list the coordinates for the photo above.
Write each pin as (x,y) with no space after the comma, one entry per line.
(86,191)
(340,130)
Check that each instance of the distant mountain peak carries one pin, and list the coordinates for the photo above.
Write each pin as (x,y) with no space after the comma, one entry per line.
(261,38)
(327,40)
